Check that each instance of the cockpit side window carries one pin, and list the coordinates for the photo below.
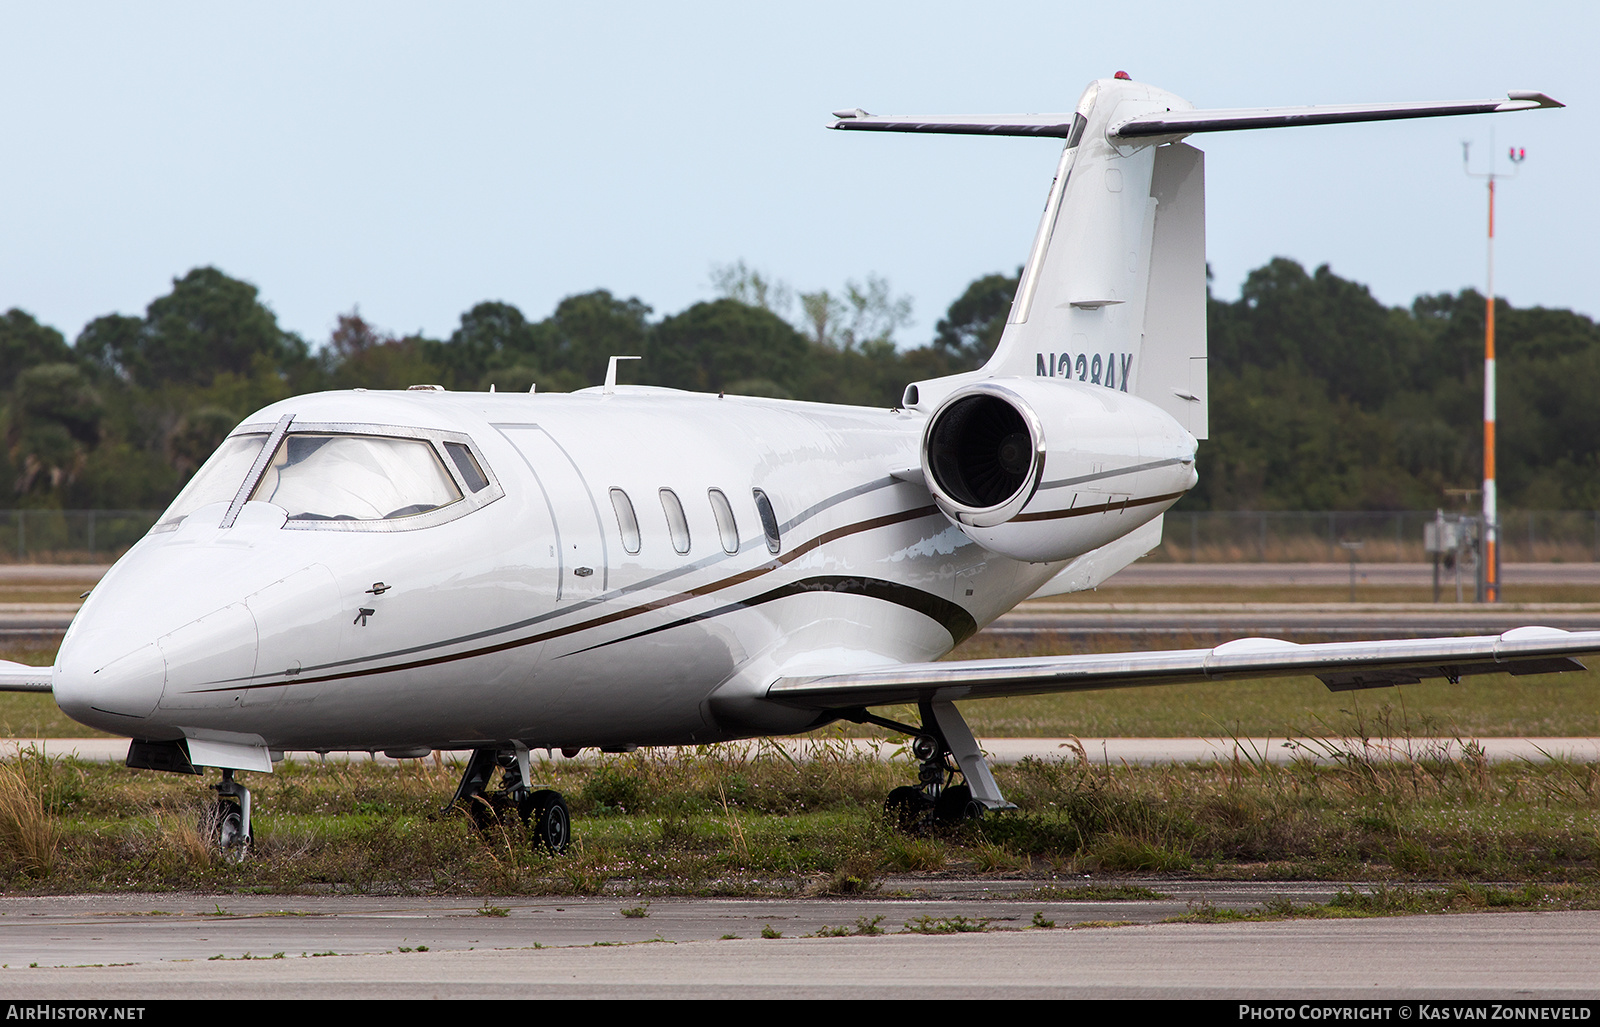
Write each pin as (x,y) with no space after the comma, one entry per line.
(471,474)
(355,478)
(217,481)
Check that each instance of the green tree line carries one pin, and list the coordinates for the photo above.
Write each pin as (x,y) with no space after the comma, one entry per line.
(1321,397)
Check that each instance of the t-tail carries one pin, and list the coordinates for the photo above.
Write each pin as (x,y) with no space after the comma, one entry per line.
(1113,292)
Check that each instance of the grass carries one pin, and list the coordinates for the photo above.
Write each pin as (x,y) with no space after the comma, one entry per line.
(1385,900)
(30,836)
(720,823)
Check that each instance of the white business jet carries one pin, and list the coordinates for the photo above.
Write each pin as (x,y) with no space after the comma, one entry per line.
(629,566)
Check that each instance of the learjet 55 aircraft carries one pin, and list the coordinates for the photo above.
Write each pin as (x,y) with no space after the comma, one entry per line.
(628,566)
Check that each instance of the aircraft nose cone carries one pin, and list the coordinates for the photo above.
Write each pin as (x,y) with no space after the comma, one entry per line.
(109,680)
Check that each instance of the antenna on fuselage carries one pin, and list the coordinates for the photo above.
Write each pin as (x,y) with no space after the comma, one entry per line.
(611,375)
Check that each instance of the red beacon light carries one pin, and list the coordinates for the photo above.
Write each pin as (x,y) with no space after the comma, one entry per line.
(1124,76)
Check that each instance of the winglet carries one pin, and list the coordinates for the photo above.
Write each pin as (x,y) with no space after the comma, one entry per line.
(1539,99)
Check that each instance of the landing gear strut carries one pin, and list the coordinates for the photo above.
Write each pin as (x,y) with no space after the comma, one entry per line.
(955,784)
(543,811)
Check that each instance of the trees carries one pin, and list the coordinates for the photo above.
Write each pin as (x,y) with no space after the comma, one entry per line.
(1321,397)
(864,317)
(592,327)
(970,330)
(726,344)
(207,325)
(359,356)
(25,343)
(492,336)
(52,422)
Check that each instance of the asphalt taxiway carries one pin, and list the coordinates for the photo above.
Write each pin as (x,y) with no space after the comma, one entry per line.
(132,947)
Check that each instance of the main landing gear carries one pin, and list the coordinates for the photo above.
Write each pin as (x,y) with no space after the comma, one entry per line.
(543,811)
(955,785)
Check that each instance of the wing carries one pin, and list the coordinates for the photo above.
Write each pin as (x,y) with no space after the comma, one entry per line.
(1340,665)
(19,677)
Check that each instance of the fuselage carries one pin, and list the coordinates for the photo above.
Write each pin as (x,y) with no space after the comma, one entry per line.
(767,538)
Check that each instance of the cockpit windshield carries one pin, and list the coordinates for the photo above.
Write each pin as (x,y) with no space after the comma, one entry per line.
(355,478)
(217,481)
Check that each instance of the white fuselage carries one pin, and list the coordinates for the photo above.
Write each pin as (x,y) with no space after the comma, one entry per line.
(526,618)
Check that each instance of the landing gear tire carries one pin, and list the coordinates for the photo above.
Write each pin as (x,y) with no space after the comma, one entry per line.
(548,819)
(227,818)
(907,807)
(956,805)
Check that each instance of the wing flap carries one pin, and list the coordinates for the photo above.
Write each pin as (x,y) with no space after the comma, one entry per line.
(1341,665)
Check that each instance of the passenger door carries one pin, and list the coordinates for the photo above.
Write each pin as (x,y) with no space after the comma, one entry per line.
(579,526)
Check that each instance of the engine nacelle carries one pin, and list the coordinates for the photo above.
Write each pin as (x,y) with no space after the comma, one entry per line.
(1043,470)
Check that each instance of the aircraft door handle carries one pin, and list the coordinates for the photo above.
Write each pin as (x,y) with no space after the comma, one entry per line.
(362,615)
(583,572)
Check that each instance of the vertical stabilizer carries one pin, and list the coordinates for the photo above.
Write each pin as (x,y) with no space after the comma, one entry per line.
(1113,293)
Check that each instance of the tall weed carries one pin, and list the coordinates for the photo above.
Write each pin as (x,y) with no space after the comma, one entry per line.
(29,834)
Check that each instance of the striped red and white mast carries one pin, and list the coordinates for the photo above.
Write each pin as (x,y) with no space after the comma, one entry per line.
(1491,516)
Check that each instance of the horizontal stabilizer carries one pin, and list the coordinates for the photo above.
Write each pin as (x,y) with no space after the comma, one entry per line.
(19,677)
(1184,122)
(1179,123)
(1342,665)
(1058,125)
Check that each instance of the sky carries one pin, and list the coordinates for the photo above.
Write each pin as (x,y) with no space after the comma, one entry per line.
(413,159)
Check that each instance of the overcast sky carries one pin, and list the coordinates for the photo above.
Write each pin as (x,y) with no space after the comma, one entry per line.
(415,159)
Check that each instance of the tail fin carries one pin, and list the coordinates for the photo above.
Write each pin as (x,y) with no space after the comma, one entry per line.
(1114,291)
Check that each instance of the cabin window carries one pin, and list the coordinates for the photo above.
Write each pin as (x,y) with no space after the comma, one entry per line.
(627,523)
(769,520)
(677,523)
(355,478)
(727,528)
(217,481)
(471,474)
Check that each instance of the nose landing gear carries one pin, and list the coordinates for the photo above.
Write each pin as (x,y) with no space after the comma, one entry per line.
(230,817)
(543,811)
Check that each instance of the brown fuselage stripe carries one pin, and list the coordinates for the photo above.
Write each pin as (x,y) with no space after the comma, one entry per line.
(610,618)
(1082,511)
(953,617)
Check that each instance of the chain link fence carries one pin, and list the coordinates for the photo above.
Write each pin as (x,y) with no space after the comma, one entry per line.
(1309,536)
(1220,536)
(71,536)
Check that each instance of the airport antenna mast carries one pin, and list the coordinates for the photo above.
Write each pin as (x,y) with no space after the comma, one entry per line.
(1491,517)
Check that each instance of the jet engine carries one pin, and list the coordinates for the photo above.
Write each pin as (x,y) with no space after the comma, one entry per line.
(1043,470)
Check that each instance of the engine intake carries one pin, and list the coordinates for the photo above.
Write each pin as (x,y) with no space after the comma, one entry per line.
(982,455)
